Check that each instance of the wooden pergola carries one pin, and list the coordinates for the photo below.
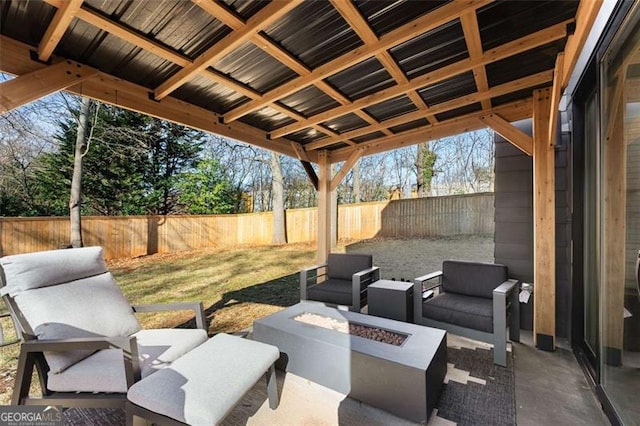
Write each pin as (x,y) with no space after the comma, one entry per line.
(322,81)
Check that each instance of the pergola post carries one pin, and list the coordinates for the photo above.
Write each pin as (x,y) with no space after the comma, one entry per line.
(544,255)
(324,206)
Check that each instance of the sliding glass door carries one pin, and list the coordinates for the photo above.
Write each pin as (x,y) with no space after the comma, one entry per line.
(618,341)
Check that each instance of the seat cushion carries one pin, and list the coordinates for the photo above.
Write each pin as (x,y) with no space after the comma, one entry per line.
(87,307)
(472,278)
(333,291)
(464,311)
(35,270)
(342,266)
(104,370)
(204,385)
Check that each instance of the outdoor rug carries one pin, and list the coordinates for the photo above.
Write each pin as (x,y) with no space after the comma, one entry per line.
(476,392)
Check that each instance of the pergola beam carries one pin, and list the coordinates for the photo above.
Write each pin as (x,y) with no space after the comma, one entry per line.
(515,136)
(348,165)
(56,29)
(523,83)
(585,17)
(431,20)
(556,93)
(523,44)
(512,112)
(266,16)
(29,87)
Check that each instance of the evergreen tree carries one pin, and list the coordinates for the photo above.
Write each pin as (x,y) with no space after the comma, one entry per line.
(131,166)
(207,190)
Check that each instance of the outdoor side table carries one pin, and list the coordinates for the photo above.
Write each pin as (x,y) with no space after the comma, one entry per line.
(391,299)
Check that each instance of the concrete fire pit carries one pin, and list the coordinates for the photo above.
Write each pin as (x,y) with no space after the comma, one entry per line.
(404,379)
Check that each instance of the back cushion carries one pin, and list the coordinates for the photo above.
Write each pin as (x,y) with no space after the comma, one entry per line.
(88,307)
(342,266)
(34,270)
(472,278)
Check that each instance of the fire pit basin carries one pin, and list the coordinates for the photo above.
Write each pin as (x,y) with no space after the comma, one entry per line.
(404,379)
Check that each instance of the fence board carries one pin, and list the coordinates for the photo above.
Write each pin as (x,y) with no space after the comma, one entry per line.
(131,236)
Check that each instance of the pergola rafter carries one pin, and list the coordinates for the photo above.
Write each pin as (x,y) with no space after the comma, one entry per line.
(523,44)
(263,18)
(406,32)
(61,21)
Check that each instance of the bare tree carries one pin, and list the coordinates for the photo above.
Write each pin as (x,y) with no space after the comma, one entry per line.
(464,163)
(357,197)
(425,169)
(277,195)
(81,148)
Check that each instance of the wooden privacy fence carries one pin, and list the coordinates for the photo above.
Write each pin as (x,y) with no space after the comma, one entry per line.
(131,236)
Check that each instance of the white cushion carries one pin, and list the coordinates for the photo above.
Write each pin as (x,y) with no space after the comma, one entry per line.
(88,307)
(34,270)
(203,386)
(104,370)
(158,348)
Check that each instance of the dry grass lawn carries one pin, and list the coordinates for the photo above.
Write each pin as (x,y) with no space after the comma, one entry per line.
(240,285)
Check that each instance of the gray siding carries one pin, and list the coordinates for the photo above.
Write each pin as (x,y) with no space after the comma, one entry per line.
(514,223)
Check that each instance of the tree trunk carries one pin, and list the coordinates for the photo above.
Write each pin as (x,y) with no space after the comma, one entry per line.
(76,181)
(277,192)
(425,163)
(357,197)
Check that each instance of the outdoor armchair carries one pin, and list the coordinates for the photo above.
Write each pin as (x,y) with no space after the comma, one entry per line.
(80,333)
(342,281)
(470,299)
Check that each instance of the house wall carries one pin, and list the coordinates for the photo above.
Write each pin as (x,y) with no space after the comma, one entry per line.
(514,223)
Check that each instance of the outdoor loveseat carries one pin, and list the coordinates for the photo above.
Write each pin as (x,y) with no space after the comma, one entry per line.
(471,299)
(342,281)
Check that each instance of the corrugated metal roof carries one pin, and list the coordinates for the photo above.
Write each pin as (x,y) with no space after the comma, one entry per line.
(24,20)
(526,63)
(515,96)
(451,88)
(439,47)
(345,123)
(101,50)
(387,16)
(307,135)
(458,112)
(183,26)
(409,126)
(505,21)
(246,8)
(207,94)
(267,119)
(362,79)
(391,108)
(368,137)
(315,33)
(248,64)
(309,101)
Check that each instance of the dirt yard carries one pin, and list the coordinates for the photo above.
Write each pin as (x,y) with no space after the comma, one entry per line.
(406,259)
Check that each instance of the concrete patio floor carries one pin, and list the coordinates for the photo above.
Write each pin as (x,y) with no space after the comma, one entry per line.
(550,390)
